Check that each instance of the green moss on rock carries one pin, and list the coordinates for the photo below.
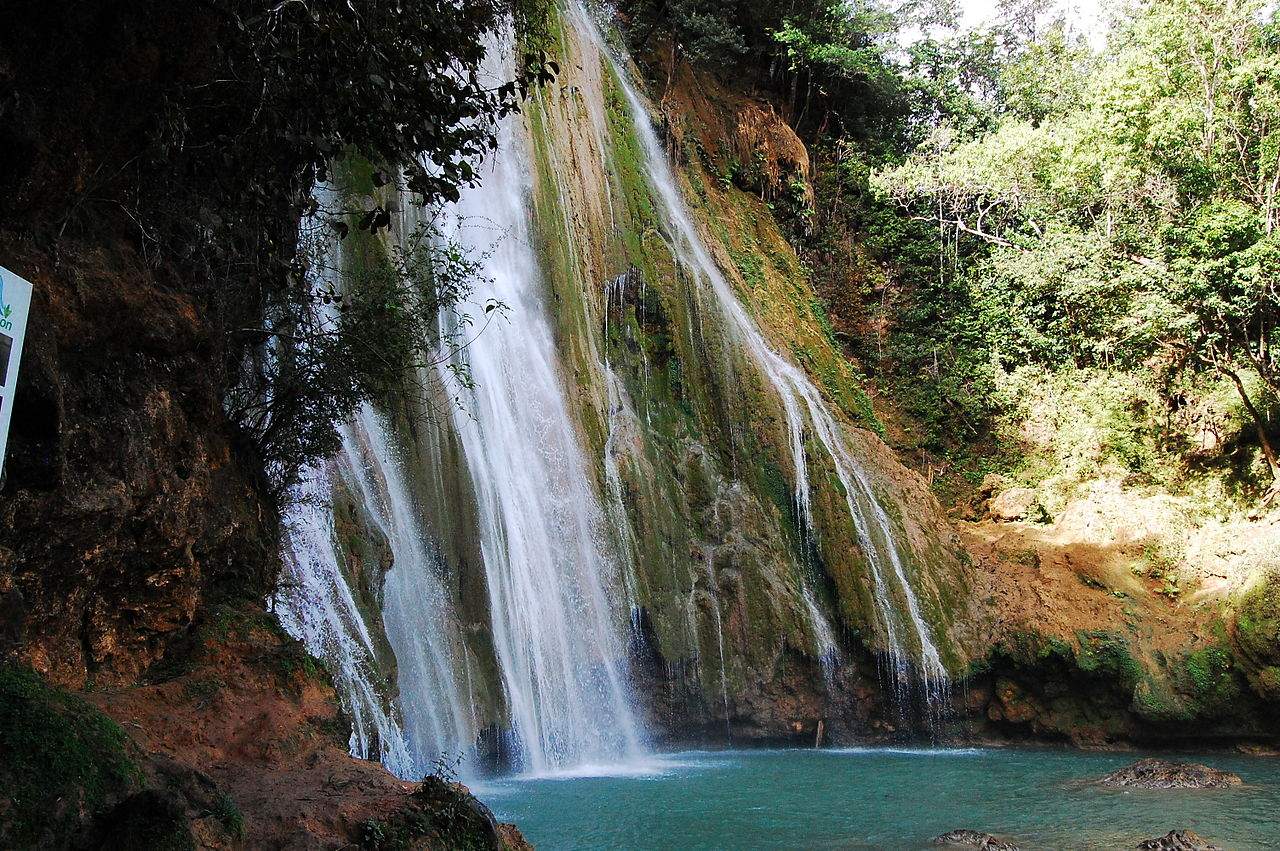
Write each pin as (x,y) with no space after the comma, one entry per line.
(150,820)
(1266,683)
(1258,620)
(442,814)
(1108,655)
(1154,701)
(61,761)
(1257,635)
(1028,649)
(1211,676)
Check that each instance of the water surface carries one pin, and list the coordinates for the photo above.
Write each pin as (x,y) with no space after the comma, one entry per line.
(879,798)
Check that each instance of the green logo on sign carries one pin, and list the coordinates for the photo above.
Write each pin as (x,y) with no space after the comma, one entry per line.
(5,308)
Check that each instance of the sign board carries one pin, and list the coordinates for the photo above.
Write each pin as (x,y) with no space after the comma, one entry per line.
(15,304)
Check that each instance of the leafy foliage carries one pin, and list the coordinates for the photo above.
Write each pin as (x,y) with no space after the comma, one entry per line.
(400,311)
(209,140)
(1123,208)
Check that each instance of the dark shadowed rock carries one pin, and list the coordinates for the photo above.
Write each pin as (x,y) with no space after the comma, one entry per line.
(1179,840)
(973,839)
(1165,774)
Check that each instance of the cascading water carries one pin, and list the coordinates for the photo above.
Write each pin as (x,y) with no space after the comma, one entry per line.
(556,594)
(805,411)
(417,615)
(556,589)
(316,606)
(429,719)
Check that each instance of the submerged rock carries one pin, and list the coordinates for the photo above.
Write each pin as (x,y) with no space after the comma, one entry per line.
(973,839)
(1179,840)
(1167,774)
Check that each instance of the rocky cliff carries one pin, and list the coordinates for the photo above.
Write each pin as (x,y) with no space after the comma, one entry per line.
(147,698)
(697,434)
(1074,626)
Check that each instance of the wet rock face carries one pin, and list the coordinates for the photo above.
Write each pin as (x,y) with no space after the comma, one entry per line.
(973,839)
(1164,774)
(1178,840)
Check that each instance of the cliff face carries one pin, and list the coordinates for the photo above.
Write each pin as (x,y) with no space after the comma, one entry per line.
(1076,629)
(752,616)
(124,504)
(735,592)
(128,515)
(1116,623)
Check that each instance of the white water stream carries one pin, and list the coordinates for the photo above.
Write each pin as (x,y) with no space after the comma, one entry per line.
(806,414)
(556,589)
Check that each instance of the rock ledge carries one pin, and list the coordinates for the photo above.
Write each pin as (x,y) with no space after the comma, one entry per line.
(1178,840)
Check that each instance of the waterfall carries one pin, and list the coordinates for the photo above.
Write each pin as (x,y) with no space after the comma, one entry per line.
(417,613)
(805,411)
(543,658)
(557,594)
(556,588)
(316,606)
(424,718)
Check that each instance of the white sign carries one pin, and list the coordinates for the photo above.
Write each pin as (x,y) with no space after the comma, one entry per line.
(15,304)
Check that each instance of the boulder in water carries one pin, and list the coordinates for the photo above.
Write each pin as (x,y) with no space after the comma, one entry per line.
(1178,840)
(973,839)
(1167,774)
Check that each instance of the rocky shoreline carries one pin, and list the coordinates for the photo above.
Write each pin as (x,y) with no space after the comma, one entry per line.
(1174,840)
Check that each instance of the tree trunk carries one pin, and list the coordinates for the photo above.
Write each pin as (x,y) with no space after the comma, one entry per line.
(1268,451)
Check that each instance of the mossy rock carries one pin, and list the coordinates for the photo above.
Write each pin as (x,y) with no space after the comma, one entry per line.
(1107,655)
(1156,702)
(61,762)
(1203,684)
(1257,635)
(1030,649)
(439,814)
(1266,683)
(1258,621)
(1210,676)
(150,819)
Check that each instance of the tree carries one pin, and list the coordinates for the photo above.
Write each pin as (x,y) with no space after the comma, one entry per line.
(1127,203)
(197,133)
